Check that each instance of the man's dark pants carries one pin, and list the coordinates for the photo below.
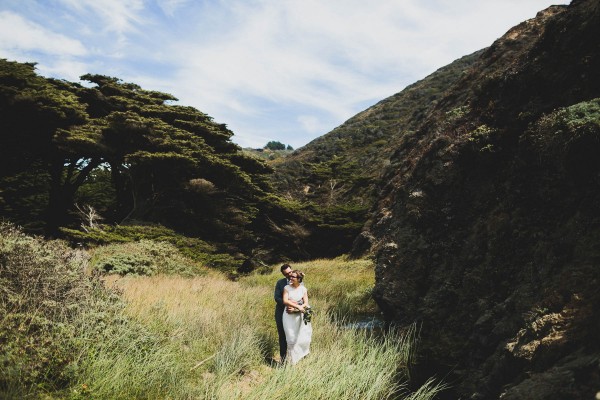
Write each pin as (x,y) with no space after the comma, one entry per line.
(281,332)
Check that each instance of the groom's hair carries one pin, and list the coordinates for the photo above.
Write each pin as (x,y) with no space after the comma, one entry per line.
(284,267)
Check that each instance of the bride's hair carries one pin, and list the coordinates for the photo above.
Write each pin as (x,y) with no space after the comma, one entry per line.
(299,273)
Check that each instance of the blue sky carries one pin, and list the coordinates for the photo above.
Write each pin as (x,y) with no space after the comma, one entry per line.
(285,70)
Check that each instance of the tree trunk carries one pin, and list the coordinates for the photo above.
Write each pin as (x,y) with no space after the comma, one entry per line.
(62,192)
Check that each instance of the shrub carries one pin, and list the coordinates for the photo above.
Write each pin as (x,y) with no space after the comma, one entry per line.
(64,332)
(569,138)
(145,257)
(43,294)
(41,289)
(193,248)
(566,125)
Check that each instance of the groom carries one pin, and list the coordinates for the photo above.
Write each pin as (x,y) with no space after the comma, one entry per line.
(286,269)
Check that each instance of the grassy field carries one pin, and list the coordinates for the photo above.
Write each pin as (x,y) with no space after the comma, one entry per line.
(173,337)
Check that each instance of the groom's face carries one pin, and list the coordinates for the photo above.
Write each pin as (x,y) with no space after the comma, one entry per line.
(286,272)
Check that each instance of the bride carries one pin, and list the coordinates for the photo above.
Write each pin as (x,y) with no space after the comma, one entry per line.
(297,333)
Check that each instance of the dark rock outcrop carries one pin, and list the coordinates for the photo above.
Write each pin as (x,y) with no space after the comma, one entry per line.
(487,223)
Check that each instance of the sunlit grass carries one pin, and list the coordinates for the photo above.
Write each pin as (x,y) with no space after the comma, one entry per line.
(344,364)
(341,286)
(223,333)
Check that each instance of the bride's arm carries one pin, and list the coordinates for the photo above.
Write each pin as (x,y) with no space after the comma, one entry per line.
(288,302)
(305,298)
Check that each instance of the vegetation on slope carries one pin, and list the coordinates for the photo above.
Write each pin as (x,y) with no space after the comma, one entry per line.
(341,168)
(338,173)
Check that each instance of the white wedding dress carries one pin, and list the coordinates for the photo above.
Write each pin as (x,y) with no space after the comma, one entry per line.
(297,333)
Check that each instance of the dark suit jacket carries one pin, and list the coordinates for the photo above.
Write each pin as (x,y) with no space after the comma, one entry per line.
(279,307)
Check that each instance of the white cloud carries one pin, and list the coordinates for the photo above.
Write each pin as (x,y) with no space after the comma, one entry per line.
(170,7)
(65,68)
(120,16)
(275,54)
(19,36)
(333,56)
(310,124)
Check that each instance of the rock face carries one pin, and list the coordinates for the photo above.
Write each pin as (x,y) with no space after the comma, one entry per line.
(487,224)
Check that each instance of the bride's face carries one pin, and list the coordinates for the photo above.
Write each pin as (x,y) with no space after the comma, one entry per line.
(293,279)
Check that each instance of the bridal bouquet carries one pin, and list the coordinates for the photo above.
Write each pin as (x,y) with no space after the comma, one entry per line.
(307,316)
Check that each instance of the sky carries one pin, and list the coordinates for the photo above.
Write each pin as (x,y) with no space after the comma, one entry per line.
(272,70)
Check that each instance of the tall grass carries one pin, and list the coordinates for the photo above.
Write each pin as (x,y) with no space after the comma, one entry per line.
(227,335)
(344,364)
(172,337)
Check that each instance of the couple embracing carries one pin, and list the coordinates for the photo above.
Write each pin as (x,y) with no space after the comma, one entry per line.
(292,302)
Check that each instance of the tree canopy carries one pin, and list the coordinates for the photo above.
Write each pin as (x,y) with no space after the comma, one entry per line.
(131,156)
(274,145)
(123,150)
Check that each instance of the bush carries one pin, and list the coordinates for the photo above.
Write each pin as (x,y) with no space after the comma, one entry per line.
(43,294)
(274,145)
(568,124)
(569,138)
(145,257)
(193,248)
(64,332)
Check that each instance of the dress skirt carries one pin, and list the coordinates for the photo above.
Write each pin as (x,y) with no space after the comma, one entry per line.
(298,336)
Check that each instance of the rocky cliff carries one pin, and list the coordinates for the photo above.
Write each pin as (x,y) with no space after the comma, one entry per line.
(486,227)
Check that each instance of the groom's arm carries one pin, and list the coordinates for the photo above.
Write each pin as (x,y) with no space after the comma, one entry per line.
(279,296)
(279,293)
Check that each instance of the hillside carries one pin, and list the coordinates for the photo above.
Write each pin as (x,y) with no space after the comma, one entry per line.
(484,190)
(486,225)
(334,177)
(354,154)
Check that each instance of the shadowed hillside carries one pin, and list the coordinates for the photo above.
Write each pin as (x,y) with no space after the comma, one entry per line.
(487,221)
